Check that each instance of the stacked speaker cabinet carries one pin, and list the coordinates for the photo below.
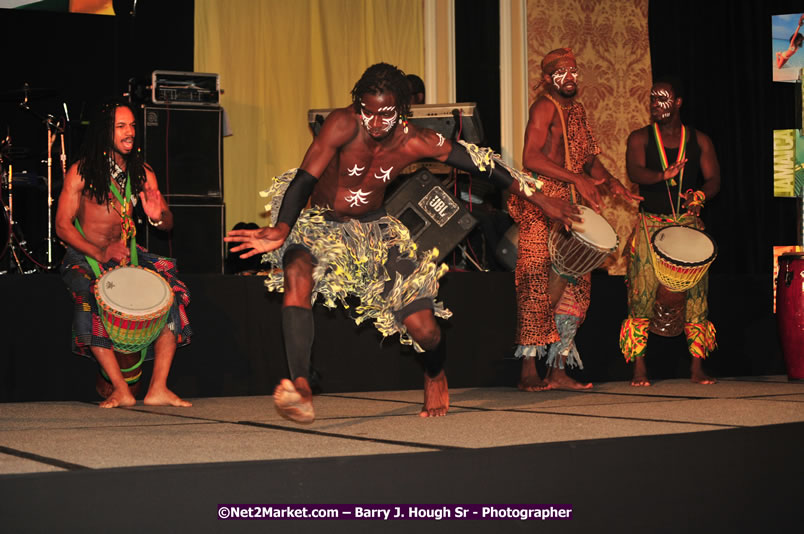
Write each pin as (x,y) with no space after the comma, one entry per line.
(184,147)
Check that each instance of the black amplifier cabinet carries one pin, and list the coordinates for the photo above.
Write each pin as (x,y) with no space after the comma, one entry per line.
(434,217)
(184,147)
(196,240)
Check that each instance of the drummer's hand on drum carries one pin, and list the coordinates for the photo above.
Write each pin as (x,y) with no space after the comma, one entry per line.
(257,241)
(117,251)
(558,209)
(587,188)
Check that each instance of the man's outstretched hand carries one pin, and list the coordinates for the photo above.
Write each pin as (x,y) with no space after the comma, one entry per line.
(259,240)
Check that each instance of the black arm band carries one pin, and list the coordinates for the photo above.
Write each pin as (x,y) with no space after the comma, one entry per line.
(460,158)
(501,178)
(296,196)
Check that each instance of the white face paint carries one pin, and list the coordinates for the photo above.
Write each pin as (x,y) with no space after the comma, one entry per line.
(388,123)
(661,103)
(379,114)
(357,198)
(366,118)
(564,74)
(384,175)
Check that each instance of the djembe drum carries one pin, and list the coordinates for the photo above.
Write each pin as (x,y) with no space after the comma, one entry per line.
(790,312)
(681,256)
(585,247)
(133,303)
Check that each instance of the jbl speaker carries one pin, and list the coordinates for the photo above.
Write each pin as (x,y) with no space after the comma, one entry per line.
(184,147)
(196,240)
(434,217)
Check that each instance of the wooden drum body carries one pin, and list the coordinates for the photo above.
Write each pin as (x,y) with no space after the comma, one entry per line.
(585,247)
(790,312)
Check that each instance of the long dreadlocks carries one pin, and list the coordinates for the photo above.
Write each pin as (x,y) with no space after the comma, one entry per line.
(381,78)
(96,157)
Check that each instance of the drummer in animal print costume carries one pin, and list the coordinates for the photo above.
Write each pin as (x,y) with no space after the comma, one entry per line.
(95,220)
(561,149)
(677,169)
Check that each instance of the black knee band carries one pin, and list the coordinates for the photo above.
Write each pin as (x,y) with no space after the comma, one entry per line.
(298,330)
(413,307)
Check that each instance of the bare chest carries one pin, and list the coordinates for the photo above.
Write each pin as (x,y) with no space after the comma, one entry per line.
(373,169)
(358,177)
(554,144)
(101,223)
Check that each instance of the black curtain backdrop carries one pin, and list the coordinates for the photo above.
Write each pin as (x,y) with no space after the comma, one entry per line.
(721,50)
(477,62)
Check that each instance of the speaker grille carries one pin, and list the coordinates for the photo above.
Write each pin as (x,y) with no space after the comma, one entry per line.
(183,146)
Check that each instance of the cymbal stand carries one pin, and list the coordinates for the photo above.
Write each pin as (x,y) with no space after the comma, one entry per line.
(51,137)
(14,233)
(53,129)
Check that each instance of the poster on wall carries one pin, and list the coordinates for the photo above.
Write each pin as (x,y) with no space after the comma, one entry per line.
(92,7)
(788,163)
(787,39)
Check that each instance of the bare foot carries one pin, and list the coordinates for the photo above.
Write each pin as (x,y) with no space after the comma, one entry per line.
(640,373)
(558,379)
(529,379)
(157,396)
(294,401)
(119,398)
(105,388)
(436,396)
(697,374)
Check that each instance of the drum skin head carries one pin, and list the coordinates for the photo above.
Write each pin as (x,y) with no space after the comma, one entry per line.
(133,290)
(685,245)
(595,230)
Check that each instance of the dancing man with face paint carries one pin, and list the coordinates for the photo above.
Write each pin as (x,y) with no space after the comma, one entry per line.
(346,245)
(666,158)
(561,151)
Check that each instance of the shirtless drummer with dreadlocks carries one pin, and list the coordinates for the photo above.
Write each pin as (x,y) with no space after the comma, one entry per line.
(95,220)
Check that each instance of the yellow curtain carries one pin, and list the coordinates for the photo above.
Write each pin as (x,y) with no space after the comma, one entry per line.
(277,59)
(610,41)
